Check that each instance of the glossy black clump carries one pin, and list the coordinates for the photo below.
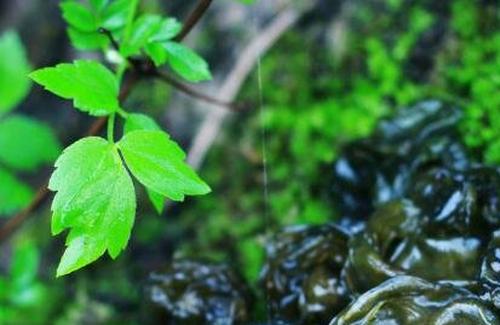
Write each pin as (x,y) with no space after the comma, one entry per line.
(193,293)
(421,217)
(380,168)
(418,241)
(407,300)
(302,278)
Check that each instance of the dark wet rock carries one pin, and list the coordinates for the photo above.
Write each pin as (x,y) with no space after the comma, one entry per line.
(380,168)
(406,300)
(190,292)
(302,277)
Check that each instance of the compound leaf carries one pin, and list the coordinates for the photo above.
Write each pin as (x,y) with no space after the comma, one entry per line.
(95,199)
(26,143)
(14,67)
(158,163)
(84,21)
(93,88)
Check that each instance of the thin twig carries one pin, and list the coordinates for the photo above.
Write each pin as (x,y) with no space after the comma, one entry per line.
(195,16)
(111,38)
(193,92)
(12,224)
(248,58)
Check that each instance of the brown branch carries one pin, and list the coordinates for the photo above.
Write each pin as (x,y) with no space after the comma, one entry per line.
(198,12)
(193,92)
(12,224)
(248,58)
(42,193)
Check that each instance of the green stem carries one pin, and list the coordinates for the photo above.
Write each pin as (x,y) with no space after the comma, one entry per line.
(111,128)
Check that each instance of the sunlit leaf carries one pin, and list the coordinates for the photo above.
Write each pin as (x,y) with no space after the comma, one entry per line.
(78,16)
(95,199)
(187,63)
(93,88)
(158,163)
(136,122)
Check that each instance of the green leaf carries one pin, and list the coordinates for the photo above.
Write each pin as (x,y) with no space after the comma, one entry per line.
(147,31)
(115,15)
(157,52)
(168,29)
(84,22)
(93,88)
(136,122)
(14,195)
(26,143)
(143,29)
(187,63)
(98,5)
(14,68)
(87,41)
(95,199)
(158,163)
(83,25)
(157,200)
(78,16)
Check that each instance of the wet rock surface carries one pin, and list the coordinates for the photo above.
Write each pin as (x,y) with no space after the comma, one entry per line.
(418,241)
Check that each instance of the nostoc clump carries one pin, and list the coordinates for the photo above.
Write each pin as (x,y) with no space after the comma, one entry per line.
(423,250)
(418,241)
(192,293)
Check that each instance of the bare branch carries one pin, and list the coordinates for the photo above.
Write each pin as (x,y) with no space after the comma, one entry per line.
(195,16)
(193,92)
(111,38)
(248,59)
